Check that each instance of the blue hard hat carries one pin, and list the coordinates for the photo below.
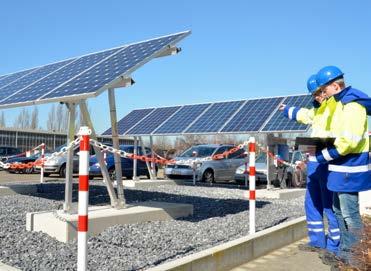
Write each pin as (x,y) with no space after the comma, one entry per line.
(312,84)
(328,74)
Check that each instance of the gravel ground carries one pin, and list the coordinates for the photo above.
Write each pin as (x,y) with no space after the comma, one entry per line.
(220,215)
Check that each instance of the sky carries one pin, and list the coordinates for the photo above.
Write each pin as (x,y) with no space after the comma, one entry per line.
(237,49)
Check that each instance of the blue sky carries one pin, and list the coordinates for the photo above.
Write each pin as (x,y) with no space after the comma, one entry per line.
(237,50)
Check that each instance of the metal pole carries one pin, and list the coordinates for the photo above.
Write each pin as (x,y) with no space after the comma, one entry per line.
(83,221)
(115,143)
(111,191)
(153,166)
(269,173)
(42,163)
(69,165)
(246,172)
(145,154)
(194,165)
(252,185)
(135,160)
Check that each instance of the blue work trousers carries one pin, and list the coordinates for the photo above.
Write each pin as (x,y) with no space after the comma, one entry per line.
(318,201)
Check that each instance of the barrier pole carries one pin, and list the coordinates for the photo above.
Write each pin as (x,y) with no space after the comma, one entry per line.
(82,250)
(42,162)
(252,185)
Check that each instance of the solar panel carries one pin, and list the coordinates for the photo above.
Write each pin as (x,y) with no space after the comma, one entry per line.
(83,77)
(278,122)
(30,78)
(152,121)
(114,67)
(215,117)
(55,79)
(7,79)
(182,119)
(252,115)
(130,120)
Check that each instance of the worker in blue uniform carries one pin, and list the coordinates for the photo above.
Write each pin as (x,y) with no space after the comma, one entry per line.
(318,199)
(348,160)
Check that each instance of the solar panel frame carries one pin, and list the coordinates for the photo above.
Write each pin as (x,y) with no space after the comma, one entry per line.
(195,128)
(48,80)
(250,114)
(25,79)
(278,114)
(172,128)
(112,84)
(154,118)
(123,123)
(124,74)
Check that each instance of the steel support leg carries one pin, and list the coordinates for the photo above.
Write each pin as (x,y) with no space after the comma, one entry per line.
(69,165)
(145,153)
(153,165)
(135,161)
(115,142)
(111,191)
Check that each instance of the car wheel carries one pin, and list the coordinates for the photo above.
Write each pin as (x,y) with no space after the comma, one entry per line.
(208,176)
(62,171)
(46,174)
(91,177)
(28,170)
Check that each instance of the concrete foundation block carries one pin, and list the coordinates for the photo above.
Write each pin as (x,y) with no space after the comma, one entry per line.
(63,226)
(234,253)
(149,183)
(283,194)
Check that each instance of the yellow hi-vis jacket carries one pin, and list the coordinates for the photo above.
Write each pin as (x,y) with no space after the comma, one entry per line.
(348,159)
(318,117)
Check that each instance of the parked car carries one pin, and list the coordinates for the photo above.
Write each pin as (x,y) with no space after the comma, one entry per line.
(126,164)
(57,165)
(289,176)
(260,170)
(6,151)
(209,170)
(22,160)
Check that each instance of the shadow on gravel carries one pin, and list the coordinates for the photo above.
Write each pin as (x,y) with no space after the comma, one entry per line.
(204,207)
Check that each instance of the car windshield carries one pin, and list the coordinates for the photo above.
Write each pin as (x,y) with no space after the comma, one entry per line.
(198,151)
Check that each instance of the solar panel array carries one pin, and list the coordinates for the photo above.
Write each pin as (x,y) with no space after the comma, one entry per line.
(80,77)
(245,116)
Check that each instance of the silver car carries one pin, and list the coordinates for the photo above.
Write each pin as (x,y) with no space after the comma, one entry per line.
(206,169)
(283,178)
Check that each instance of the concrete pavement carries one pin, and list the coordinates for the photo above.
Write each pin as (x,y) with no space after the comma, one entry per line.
(288,258)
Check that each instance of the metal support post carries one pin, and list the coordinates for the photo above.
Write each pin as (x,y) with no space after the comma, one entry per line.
(135,161)
(246,172)
(83,220)
(42,163)
(269,173)
(252,180)
(115,143)
(117,203)
(145,154)
(69,165)
(153,166)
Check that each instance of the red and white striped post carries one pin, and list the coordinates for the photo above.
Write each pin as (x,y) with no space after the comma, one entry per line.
(252,184)
(42,162)
(82,250)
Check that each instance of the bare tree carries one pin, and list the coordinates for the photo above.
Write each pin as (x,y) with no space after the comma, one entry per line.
(2,120)
(50,124)
(34,118)
(23,120)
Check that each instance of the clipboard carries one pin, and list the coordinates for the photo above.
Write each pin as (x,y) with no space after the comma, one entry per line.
(319,142)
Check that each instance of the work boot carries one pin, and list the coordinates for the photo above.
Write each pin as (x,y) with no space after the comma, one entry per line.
(308,248)
(329,258)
